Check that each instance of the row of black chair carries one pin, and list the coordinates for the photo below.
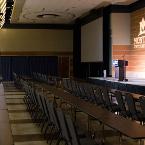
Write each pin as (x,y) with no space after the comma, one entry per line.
(55,125)
(128,107)
(92,93)
(51,80)
(124,104)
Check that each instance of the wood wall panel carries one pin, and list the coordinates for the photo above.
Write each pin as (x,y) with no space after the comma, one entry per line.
(134,56)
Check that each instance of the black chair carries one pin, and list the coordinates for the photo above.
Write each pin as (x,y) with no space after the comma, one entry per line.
(83,91)
(66,84)
(89,92)
(30,99)
(135,114)
(142,105)
(63,128)
(75,88)
(45,113)
(98,96)
(54,129)
(121,104)
(113,107)
(69,133)
(38,114)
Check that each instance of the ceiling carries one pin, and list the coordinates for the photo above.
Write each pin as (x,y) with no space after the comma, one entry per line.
(56,11)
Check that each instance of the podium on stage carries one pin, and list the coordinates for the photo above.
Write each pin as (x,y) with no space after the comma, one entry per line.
(120,69)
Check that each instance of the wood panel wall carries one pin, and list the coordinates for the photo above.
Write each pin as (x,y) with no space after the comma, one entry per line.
(135,56)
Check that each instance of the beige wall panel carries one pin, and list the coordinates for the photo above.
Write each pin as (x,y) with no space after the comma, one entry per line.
(36,40)
(120,25)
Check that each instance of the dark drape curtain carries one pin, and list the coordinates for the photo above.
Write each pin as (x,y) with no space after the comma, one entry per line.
(20,65)
(44,64)
(6,68)
(26,65)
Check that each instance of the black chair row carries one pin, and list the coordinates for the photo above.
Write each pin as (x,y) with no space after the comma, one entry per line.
(55,125)
(128,107)
(124,104)
(92,93)
(51,80)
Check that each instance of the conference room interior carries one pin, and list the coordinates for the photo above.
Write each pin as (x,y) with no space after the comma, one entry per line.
(72,73)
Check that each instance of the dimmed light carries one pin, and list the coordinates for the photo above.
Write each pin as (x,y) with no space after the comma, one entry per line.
(2,12)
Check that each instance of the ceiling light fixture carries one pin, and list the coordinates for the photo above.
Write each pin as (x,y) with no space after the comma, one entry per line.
(2,12)
(47,15)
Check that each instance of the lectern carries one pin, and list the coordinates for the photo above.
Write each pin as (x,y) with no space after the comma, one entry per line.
(120,69)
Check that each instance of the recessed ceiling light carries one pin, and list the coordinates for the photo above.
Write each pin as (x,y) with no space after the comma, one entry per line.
(47,15)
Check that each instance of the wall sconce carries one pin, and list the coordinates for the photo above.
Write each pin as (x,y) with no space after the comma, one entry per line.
(2,12)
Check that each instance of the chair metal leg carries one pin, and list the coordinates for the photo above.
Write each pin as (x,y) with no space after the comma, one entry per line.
(59,140)
(140,142)
(55,135)
(103,135)
(120,138)
(43,123)
(51,130)
(46,129)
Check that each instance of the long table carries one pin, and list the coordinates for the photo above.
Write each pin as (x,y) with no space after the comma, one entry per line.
(125,126)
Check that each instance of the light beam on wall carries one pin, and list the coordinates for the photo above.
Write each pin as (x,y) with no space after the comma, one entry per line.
(2,12)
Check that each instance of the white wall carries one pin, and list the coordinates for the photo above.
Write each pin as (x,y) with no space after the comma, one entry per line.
(120,26)
(92,41)
(36,40)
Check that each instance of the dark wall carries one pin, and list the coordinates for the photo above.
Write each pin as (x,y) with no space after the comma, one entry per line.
(87,69)
(84,70)
(26,65)
(107,46)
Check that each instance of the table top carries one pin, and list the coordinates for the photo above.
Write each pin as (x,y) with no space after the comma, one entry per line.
(125,126)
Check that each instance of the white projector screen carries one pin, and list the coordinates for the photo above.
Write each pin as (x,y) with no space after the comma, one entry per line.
(92,41)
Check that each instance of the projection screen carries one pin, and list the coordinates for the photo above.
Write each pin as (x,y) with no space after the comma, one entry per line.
(92,41)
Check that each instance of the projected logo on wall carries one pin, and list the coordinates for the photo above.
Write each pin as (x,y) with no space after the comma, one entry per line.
(139,42)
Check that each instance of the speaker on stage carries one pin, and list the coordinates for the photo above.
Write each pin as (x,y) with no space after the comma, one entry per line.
(120,69)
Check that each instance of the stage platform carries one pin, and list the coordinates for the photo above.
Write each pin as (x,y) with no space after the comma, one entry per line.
(133,85)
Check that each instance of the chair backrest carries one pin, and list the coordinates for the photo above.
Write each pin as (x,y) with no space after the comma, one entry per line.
(65,83)
(121,103)
(89,91)
(131,104)
(98,96)
(83,93)
(75,89)
(38,97)
(45,109)
(63,126)
(106,97)
(69,82)
(33,96)
(42,103)
(142,105)
(72,131)
(53,114)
